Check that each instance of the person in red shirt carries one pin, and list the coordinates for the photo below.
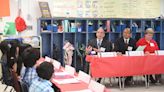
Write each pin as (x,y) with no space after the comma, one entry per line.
(151,46)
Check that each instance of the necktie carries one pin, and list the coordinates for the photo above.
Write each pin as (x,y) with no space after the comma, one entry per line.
(126,41)
(99,43)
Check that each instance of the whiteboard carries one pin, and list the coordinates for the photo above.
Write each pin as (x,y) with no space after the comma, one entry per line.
(106,8)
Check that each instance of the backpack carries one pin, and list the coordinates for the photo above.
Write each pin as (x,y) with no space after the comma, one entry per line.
(20,24)
(6,74)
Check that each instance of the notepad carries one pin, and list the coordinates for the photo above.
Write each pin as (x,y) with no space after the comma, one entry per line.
(141,48)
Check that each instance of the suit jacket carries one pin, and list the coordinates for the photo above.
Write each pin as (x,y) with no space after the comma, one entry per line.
(121,46)
(105,44)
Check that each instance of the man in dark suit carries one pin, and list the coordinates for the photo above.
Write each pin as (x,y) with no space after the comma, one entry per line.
(99,44)
(123,44)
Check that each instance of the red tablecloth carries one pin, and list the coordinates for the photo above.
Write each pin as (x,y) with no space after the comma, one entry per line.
(125,65)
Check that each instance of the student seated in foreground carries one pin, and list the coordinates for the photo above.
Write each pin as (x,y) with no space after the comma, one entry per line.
(45,71)
(28,71)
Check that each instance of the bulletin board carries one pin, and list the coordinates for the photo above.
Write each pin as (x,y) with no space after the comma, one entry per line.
(106,8)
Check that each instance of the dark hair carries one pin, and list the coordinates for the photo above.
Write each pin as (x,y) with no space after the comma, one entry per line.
(4,47)
(45,70)
(22,48)
(30,56)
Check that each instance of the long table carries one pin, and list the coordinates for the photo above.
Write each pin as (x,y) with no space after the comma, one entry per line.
(121,66)
(69,87)
(125,65)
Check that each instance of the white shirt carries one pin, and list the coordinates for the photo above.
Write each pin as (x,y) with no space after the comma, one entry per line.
(126,40)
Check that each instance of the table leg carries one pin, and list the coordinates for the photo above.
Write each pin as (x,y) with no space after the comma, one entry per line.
(123,82)
(119,80)
(147,81)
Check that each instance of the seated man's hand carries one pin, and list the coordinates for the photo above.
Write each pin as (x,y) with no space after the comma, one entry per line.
(88,49)
(147,53)
(96,50)
(119,54)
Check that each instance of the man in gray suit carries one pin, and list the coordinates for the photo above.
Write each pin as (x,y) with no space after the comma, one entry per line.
(99,44)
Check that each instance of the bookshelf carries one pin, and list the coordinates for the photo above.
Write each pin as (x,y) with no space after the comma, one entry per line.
(78,31)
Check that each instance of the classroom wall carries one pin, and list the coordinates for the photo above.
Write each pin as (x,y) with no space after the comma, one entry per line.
(31,11)
(162,7)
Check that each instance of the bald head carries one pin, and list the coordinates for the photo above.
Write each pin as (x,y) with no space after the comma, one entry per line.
(100,34)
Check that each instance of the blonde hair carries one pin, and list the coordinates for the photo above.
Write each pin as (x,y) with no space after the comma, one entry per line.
(149,31)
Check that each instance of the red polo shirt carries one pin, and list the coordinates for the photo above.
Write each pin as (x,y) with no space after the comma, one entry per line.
(150,47)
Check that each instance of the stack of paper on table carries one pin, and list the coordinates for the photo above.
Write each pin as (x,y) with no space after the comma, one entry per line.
(66,81)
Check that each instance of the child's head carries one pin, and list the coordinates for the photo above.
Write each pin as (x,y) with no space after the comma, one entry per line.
(30,56)
(45,70)
(22,47)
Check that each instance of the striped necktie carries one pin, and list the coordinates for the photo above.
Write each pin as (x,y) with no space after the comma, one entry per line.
(99,43)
